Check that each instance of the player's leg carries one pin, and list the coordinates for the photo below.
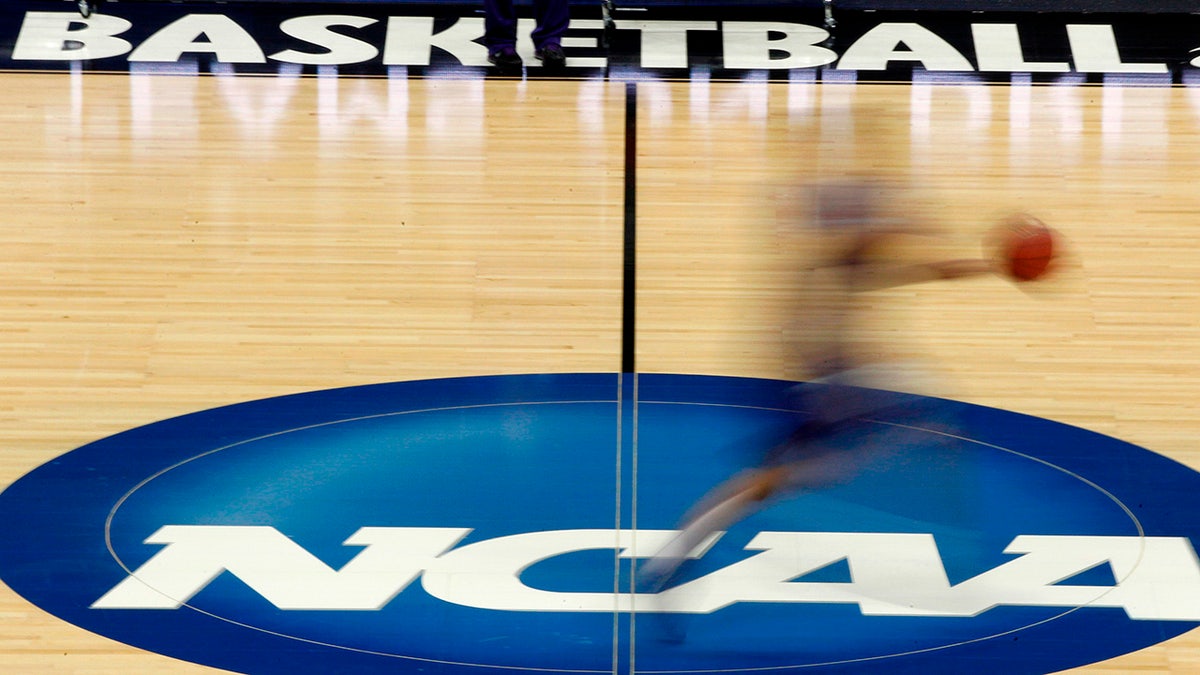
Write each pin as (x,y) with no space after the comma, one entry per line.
(552,18)
(500,33)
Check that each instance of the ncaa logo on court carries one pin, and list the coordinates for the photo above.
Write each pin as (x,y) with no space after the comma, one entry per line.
(493,524)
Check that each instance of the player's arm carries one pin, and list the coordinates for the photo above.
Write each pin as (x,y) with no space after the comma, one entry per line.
(880,276)
(958,269)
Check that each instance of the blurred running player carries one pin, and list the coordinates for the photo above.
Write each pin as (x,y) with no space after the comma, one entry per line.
(859,237)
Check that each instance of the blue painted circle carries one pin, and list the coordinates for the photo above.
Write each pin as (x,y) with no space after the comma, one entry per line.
(504,456)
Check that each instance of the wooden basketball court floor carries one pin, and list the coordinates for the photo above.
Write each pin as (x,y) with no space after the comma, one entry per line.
(175,243)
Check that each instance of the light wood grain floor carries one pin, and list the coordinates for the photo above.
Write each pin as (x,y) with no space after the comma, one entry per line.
(172,244)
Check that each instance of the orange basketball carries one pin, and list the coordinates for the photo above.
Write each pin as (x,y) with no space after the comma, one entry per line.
(1029,249)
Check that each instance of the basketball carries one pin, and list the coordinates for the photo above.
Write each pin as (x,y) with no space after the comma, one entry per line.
(1029,249)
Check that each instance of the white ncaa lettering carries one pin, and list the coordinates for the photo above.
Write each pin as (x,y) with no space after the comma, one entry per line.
(225,39)
(664,43)
(339,48)
(881,45)
(998,49)
(410,41)
(487,574)
(279,569)
(53,36)
(1157,577)
(749,44)
(1094,47)
(892,574)
(584,42)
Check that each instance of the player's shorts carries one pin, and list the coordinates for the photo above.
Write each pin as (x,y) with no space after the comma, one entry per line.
(843,411)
